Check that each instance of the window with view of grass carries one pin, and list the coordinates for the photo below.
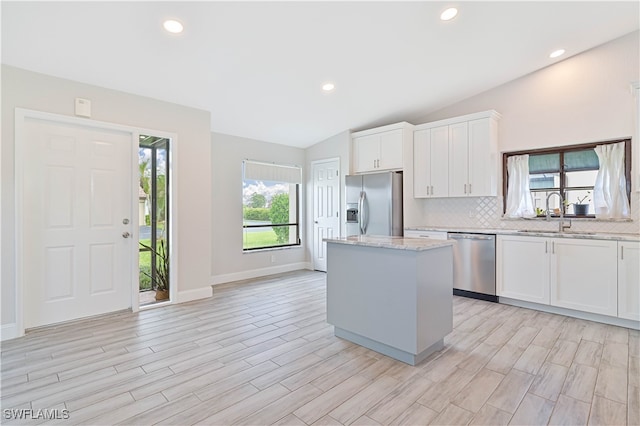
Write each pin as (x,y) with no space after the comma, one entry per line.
(569,170)
(270,205)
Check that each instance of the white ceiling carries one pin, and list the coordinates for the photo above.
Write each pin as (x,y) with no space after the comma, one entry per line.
(258,67)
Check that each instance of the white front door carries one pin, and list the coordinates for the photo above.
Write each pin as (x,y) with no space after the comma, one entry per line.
(326,210)
(76,206)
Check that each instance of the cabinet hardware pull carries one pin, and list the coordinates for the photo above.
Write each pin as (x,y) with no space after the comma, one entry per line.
(621,252)
(428,190)
(465,188)
(553,247)
(469,188)
(431,189)
(546,250)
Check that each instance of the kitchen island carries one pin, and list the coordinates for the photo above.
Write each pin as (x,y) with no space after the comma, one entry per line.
(391,294)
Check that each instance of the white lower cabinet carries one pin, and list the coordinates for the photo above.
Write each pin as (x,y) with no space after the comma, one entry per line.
(434,235)
(629,280)
(522,268)
(584,275)
(574,273)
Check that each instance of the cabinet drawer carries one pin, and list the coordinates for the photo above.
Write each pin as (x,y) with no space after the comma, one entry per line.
(435,235)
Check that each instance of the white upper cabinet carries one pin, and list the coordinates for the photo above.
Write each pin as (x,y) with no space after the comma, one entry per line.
(431,162)
(380,149)
(484,159)
(629,280)
(457,157)
(366,152)
(391,150)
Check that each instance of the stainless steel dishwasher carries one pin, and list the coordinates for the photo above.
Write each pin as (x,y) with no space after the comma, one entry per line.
(474,265)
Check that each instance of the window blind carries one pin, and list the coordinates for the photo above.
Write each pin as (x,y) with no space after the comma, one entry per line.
(581,160)
(544,163)
(256,170)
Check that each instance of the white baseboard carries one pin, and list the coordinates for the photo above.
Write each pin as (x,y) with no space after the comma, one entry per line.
(620,322)
(195,294)
(9,331)
(256,273)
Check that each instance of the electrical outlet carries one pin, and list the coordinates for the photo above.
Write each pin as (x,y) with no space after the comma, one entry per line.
(273,258)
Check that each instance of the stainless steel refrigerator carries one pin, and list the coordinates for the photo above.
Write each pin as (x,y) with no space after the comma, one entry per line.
(374,204)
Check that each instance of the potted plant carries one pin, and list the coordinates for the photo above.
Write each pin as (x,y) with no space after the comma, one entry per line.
(160,269)
(581,209)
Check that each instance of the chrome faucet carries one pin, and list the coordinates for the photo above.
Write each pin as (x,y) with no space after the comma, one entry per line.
(561,225)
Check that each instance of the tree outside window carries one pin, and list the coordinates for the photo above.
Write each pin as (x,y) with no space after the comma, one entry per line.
(270,206)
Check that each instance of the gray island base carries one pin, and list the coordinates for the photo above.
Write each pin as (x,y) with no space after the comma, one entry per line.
(392,295)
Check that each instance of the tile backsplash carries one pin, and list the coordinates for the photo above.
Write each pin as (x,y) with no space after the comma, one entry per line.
(486,213)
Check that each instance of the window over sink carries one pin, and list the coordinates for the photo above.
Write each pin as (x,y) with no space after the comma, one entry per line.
(571,171)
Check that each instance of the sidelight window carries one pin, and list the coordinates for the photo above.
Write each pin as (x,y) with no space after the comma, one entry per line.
(153,212)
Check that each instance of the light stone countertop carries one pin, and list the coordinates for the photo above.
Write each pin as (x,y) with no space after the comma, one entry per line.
(535,233)
(397,243)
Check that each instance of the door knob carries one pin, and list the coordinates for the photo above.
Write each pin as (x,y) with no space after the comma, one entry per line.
(126,235)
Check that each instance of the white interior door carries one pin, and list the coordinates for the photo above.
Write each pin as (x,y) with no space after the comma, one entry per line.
(326,211)
(76,252)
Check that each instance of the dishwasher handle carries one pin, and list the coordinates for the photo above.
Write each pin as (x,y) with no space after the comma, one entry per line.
(469,237)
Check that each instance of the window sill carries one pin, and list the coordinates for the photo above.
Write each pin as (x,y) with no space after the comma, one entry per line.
(262,250)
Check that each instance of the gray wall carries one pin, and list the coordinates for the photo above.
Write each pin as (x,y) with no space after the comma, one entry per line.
(228,261)
(40,92)
(585,98)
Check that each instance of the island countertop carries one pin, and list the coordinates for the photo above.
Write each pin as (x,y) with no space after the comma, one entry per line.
(397,243)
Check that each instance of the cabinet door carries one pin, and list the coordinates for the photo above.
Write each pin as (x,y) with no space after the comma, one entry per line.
(522,268)
(482,159)
(365,153)
(629,280)
(391,150)
(584,275)
(421,163)
(458,160)
(439,160)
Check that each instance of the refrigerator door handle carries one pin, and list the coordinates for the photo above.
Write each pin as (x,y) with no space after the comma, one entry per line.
(361,211)
(365,213)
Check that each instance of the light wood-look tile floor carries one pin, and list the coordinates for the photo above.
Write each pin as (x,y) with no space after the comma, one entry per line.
(260,352)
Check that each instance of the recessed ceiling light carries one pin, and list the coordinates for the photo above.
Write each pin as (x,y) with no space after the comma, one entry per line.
(556,53)
(172,26)
(328,87)
(449,14)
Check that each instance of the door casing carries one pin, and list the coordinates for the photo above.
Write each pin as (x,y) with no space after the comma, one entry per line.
(21,115)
